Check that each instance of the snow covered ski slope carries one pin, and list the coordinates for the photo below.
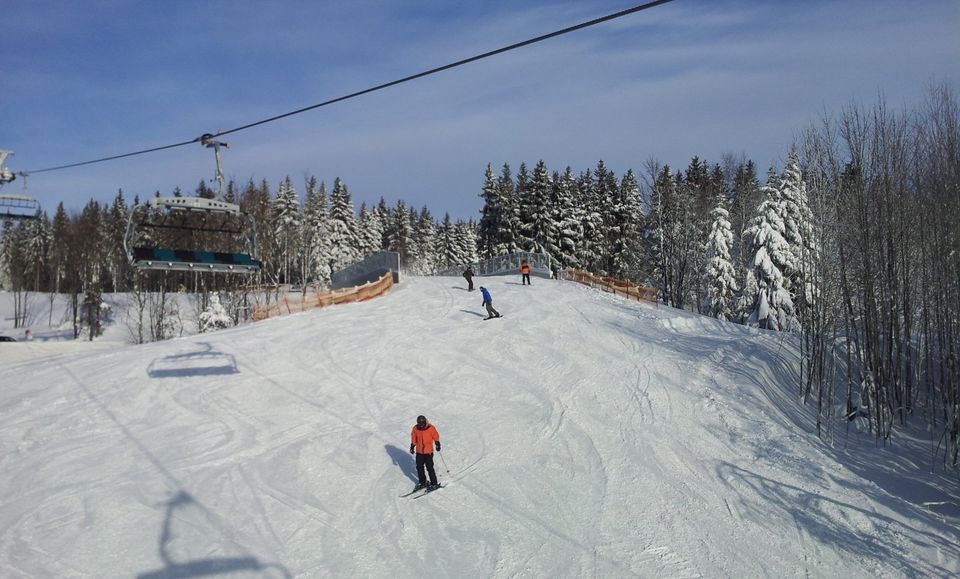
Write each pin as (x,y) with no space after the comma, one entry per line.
(583,436)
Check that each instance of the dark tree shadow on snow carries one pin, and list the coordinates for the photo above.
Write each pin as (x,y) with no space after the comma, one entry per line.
(404,460)
(817,515)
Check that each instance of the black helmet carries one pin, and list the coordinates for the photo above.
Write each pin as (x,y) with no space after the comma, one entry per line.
(421,420)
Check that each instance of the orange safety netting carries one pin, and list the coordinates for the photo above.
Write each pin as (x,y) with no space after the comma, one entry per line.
(613,285)
(318,299)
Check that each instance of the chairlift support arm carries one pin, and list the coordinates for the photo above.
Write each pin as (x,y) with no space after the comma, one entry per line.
(207,141)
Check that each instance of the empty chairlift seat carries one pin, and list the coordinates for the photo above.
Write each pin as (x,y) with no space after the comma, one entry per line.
(192,215)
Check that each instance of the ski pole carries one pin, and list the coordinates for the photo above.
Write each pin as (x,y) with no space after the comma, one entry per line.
(444,461)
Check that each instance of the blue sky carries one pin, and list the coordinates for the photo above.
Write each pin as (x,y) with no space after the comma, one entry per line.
(83,80)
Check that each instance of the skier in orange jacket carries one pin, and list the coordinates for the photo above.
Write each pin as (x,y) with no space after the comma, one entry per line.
(525,272)
(423,438)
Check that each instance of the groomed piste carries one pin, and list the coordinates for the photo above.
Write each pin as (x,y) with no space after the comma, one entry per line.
(584,435)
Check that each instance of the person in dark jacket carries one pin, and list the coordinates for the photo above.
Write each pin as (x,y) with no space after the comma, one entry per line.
(423,439)
(488,302)
(468,274)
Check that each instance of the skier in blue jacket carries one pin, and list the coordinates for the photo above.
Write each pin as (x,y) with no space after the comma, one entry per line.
(488,301)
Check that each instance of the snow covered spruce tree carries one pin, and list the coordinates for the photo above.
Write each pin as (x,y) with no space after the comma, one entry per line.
(425,232)
(401,234)
(466,238)
(488,235)
(626,229)
(509,234)
(720,276)
(342,227)
(117,272)
(773,307)
(605,198)
(567,215)
(590,253)
(371,230)
(538,230)
(214,317)
(799,234)
(315,254)
(447,246)
(286,219)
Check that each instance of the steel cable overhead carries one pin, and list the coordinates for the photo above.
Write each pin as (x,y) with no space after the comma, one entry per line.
(378,87)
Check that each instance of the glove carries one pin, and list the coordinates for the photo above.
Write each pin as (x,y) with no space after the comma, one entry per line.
(438,446)
(413,448)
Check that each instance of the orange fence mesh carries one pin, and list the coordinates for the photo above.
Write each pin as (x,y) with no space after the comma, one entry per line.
(289,305)
(613,285)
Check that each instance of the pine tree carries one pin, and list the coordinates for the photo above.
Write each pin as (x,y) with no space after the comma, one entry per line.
(591,252)
(568,219)
(316,240)
(214,317)
(344,242)
(401,235)
(117,230)
(510,223)
(745,198)
(539,229)
(677,237)
(58,250)
(255,202)
(204,191)
(426,236)
(627,226)
(491,215)
(773,307)
(466,238)
(605,197)
(720,276)
(383,214)
(448,248)
(798,232)
(371,230)
(286,221)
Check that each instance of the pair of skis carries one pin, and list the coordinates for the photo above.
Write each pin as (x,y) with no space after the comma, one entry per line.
(417,493)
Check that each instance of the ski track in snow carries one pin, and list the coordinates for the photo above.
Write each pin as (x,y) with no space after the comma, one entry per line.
(583,436)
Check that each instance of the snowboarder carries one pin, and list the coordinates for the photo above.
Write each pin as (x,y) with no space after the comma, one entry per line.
(423,438)
(488,302)
(468,274)
(525,272)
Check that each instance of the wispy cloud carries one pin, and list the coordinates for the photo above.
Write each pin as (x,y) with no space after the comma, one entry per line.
(688,78)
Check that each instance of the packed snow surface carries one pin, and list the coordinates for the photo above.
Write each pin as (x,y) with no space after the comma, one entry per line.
(583,436)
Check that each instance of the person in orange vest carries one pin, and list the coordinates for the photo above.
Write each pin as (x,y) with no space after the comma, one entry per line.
(525,272)
(423,439)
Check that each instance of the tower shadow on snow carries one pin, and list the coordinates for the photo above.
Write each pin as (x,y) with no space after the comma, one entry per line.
(403,459)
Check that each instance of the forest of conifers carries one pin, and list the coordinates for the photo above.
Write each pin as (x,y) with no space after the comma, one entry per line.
(853,245)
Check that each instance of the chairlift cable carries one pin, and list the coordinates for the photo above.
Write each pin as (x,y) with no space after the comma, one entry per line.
(379,87)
